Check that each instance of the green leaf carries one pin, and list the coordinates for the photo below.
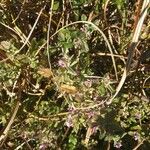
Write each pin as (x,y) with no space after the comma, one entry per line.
(55,6)
(119,4)
(67,45)
(138,127)
(101,90)
(83,17)
(72,141)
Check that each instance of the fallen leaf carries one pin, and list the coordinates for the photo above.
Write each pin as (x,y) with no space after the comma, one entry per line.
(68,89)
(45,72)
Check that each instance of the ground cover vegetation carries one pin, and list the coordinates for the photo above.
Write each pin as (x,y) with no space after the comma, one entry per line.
(74,74)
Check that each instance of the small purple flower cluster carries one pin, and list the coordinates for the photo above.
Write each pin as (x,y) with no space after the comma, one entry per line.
(136,136)
(118,144)
(43,146)
(62,63)
(90,114)
(138,116)
(88,83)
(69,122)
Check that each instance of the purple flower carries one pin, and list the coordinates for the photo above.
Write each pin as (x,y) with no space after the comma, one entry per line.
(78,72)
(71,109)
(62,63)
(90,114)
(94,129)
(138,116)
(68,122)
(117,144)
(136,136)
(43,146)
(88,83)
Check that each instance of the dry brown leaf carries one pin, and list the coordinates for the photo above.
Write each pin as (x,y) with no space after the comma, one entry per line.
(68,89)
(45,72)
